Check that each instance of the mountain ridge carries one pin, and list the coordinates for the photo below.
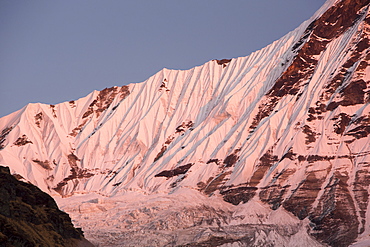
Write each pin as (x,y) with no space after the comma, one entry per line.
(286,125)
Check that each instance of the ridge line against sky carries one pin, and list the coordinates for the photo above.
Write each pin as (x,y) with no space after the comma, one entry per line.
(56,51)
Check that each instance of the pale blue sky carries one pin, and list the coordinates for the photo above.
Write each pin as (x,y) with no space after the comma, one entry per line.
(61,50)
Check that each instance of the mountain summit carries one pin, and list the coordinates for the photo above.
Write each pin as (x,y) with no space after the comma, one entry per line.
(271,149)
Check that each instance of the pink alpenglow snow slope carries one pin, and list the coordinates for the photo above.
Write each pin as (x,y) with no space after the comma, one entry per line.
(272,149)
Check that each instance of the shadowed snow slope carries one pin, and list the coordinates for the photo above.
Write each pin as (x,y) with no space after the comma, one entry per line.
(285,129)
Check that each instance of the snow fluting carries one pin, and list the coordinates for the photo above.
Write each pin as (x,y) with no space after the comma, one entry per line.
(271,149)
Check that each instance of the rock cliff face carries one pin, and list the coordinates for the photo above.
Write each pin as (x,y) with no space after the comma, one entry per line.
(285,128)
(30,217)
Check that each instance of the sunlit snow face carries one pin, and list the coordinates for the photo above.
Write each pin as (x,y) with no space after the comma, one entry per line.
(277,138)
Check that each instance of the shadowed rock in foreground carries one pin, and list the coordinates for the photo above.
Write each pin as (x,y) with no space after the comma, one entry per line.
(30,217)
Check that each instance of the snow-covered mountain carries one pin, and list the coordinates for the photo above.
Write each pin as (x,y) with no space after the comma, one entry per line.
(271,149)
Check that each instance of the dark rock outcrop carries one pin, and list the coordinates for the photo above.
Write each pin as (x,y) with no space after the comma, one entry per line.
(177,171)
(30,217)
